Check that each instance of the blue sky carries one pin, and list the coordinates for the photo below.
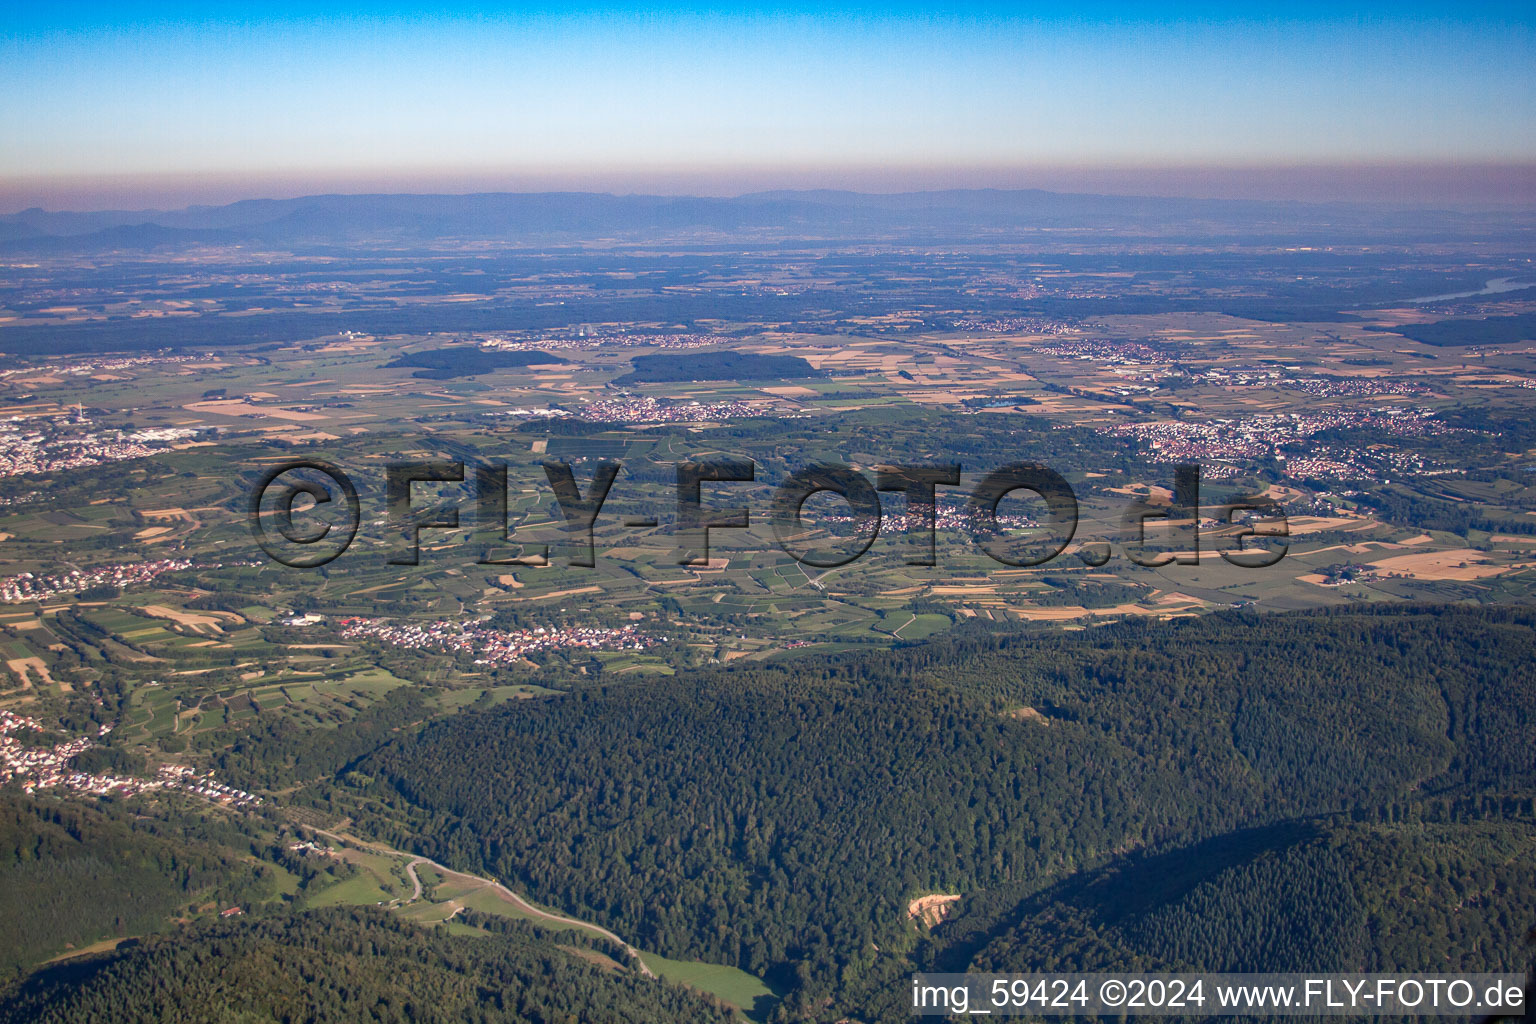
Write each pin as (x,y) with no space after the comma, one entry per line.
(539,95)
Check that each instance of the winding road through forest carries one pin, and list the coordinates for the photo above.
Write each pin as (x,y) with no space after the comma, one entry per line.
(412,861)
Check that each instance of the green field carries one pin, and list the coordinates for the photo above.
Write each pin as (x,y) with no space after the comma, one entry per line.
(736,987)
(360,889)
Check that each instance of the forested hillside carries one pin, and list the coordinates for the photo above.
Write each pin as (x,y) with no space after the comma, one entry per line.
(782,818)
(74,874)
(346,965)
(1375,897)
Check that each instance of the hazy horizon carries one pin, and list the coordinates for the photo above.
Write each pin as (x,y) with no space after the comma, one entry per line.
(1454,186)
(157,104)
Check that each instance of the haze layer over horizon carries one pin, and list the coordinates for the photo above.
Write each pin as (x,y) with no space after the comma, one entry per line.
(165,105)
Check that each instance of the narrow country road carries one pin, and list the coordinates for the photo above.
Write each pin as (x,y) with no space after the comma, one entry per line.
(511,897)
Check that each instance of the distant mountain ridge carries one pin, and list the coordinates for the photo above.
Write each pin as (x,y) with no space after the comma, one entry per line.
(584,216)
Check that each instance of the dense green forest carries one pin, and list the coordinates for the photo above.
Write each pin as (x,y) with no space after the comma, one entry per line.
(277,751)
(779,818)
(1351,788)
(664,367)
(344,965)
(1493,330)
(74,874)
(465,361)
(1358,897)
(1438,885)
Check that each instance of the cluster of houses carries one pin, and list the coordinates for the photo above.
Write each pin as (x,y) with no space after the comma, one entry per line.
(52,767)
(91,367)
(643,409)
(185,777)
(583,340)
(1257,437)
(29,587)
(494,646)
(1350,387)
(1152,363)
(37,451)
(31,444)
(1017,325)
(305,847)
(1332,462)
(1111,353)
(947,515)
(37,767)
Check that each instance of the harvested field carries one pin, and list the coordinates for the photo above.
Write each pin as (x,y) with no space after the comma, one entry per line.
(198,622)
(25,668)
(1455,564)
